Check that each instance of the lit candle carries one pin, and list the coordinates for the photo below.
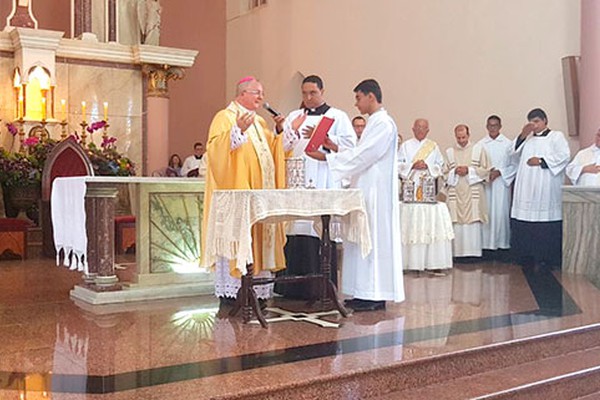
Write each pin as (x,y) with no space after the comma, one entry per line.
(43,108)
(83,111)
(63,109)
(106,110)
(20,111)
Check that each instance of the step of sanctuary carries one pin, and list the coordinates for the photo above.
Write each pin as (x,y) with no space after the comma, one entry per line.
(560,360)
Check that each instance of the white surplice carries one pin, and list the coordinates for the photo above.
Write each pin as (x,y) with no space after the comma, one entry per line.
(406,154)
(587,156)
(372,167)
(496,233)
(537,194)
(316,173)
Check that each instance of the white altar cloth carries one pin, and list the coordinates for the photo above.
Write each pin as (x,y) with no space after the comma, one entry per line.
(427,235)
(233,212)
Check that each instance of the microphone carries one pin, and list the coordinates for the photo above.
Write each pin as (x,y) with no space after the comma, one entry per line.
(270,109)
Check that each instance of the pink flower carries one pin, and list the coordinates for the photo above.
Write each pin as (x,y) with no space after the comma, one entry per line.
(108,142)
(31,141)
(12,129)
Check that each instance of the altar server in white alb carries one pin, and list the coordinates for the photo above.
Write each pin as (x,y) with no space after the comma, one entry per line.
(496,233)
(466,171)
(419,154)
(537,204)
(584,170)
(302,247)
(372,167)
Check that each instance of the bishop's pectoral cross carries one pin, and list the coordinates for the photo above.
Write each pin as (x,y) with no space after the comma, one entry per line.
(21,15)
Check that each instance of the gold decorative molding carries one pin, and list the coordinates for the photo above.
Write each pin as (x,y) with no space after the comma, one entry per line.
(158,78)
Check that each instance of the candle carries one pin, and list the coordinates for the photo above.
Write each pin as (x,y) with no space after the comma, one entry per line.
(106,111)
(63,109)
(83,111)
(20,110)
(43,109)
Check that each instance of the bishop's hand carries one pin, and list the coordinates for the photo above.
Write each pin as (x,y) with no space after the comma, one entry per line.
(307,132)
(244,121)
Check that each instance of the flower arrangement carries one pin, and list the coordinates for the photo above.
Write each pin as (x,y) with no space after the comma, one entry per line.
(18,169)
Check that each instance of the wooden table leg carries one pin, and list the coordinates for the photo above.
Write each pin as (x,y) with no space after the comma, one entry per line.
(247,301)
(328,291)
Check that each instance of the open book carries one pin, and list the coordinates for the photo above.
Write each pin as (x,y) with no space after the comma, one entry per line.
(319,134)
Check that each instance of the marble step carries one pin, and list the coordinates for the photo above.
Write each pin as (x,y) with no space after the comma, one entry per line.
(381,381)
(562,377)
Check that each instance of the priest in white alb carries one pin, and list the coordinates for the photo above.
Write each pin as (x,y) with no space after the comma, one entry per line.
(371,166)
(496,233)
(466,170)
(418,155)
(303,242)
(537,204)
(584,170)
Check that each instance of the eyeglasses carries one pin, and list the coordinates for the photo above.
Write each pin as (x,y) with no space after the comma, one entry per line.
(255,92)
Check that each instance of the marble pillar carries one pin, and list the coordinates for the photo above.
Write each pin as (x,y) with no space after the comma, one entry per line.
(157,117)
(82,17)
(589,82)
(100,200)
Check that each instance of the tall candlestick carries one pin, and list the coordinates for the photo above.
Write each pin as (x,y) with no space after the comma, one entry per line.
(106,111)
(63,109)
(83,111)
(20,111)
(44,109)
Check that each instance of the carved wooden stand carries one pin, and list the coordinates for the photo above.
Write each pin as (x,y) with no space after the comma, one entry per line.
(248,302)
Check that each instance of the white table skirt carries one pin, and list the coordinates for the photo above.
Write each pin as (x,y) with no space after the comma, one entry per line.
(427,235)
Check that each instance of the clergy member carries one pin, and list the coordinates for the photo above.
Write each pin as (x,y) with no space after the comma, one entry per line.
(302,247)
(358,123)
(496,233)
(243,153)
(419,154)
(537,205)
(371,166)
(584,170)
(195,165)
(466,170)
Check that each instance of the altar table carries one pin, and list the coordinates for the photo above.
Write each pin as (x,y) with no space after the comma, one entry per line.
(234,212)
(427,235)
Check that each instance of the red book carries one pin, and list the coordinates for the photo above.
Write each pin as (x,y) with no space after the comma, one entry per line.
(318,137)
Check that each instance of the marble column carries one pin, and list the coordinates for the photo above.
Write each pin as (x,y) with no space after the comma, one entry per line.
(589,82)
(157,116)
(100,213)
(82,16)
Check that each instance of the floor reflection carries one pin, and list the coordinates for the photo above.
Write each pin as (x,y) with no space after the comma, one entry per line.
(53,347)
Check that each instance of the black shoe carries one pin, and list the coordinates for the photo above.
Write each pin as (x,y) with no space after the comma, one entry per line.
(368,305)
(349,302)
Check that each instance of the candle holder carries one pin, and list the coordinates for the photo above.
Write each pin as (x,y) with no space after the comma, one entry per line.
(21,122)
(105,131)
(44,134)
(63,129)
(83,125)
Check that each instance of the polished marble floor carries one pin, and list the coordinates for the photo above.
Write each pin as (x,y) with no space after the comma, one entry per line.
(52,347)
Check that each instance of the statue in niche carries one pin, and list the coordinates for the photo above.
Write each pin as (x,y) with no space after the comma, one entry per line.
(149,21)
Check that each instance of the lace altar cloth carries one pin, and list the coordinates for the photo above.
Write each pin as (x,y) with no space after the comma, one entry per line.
(233,212)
